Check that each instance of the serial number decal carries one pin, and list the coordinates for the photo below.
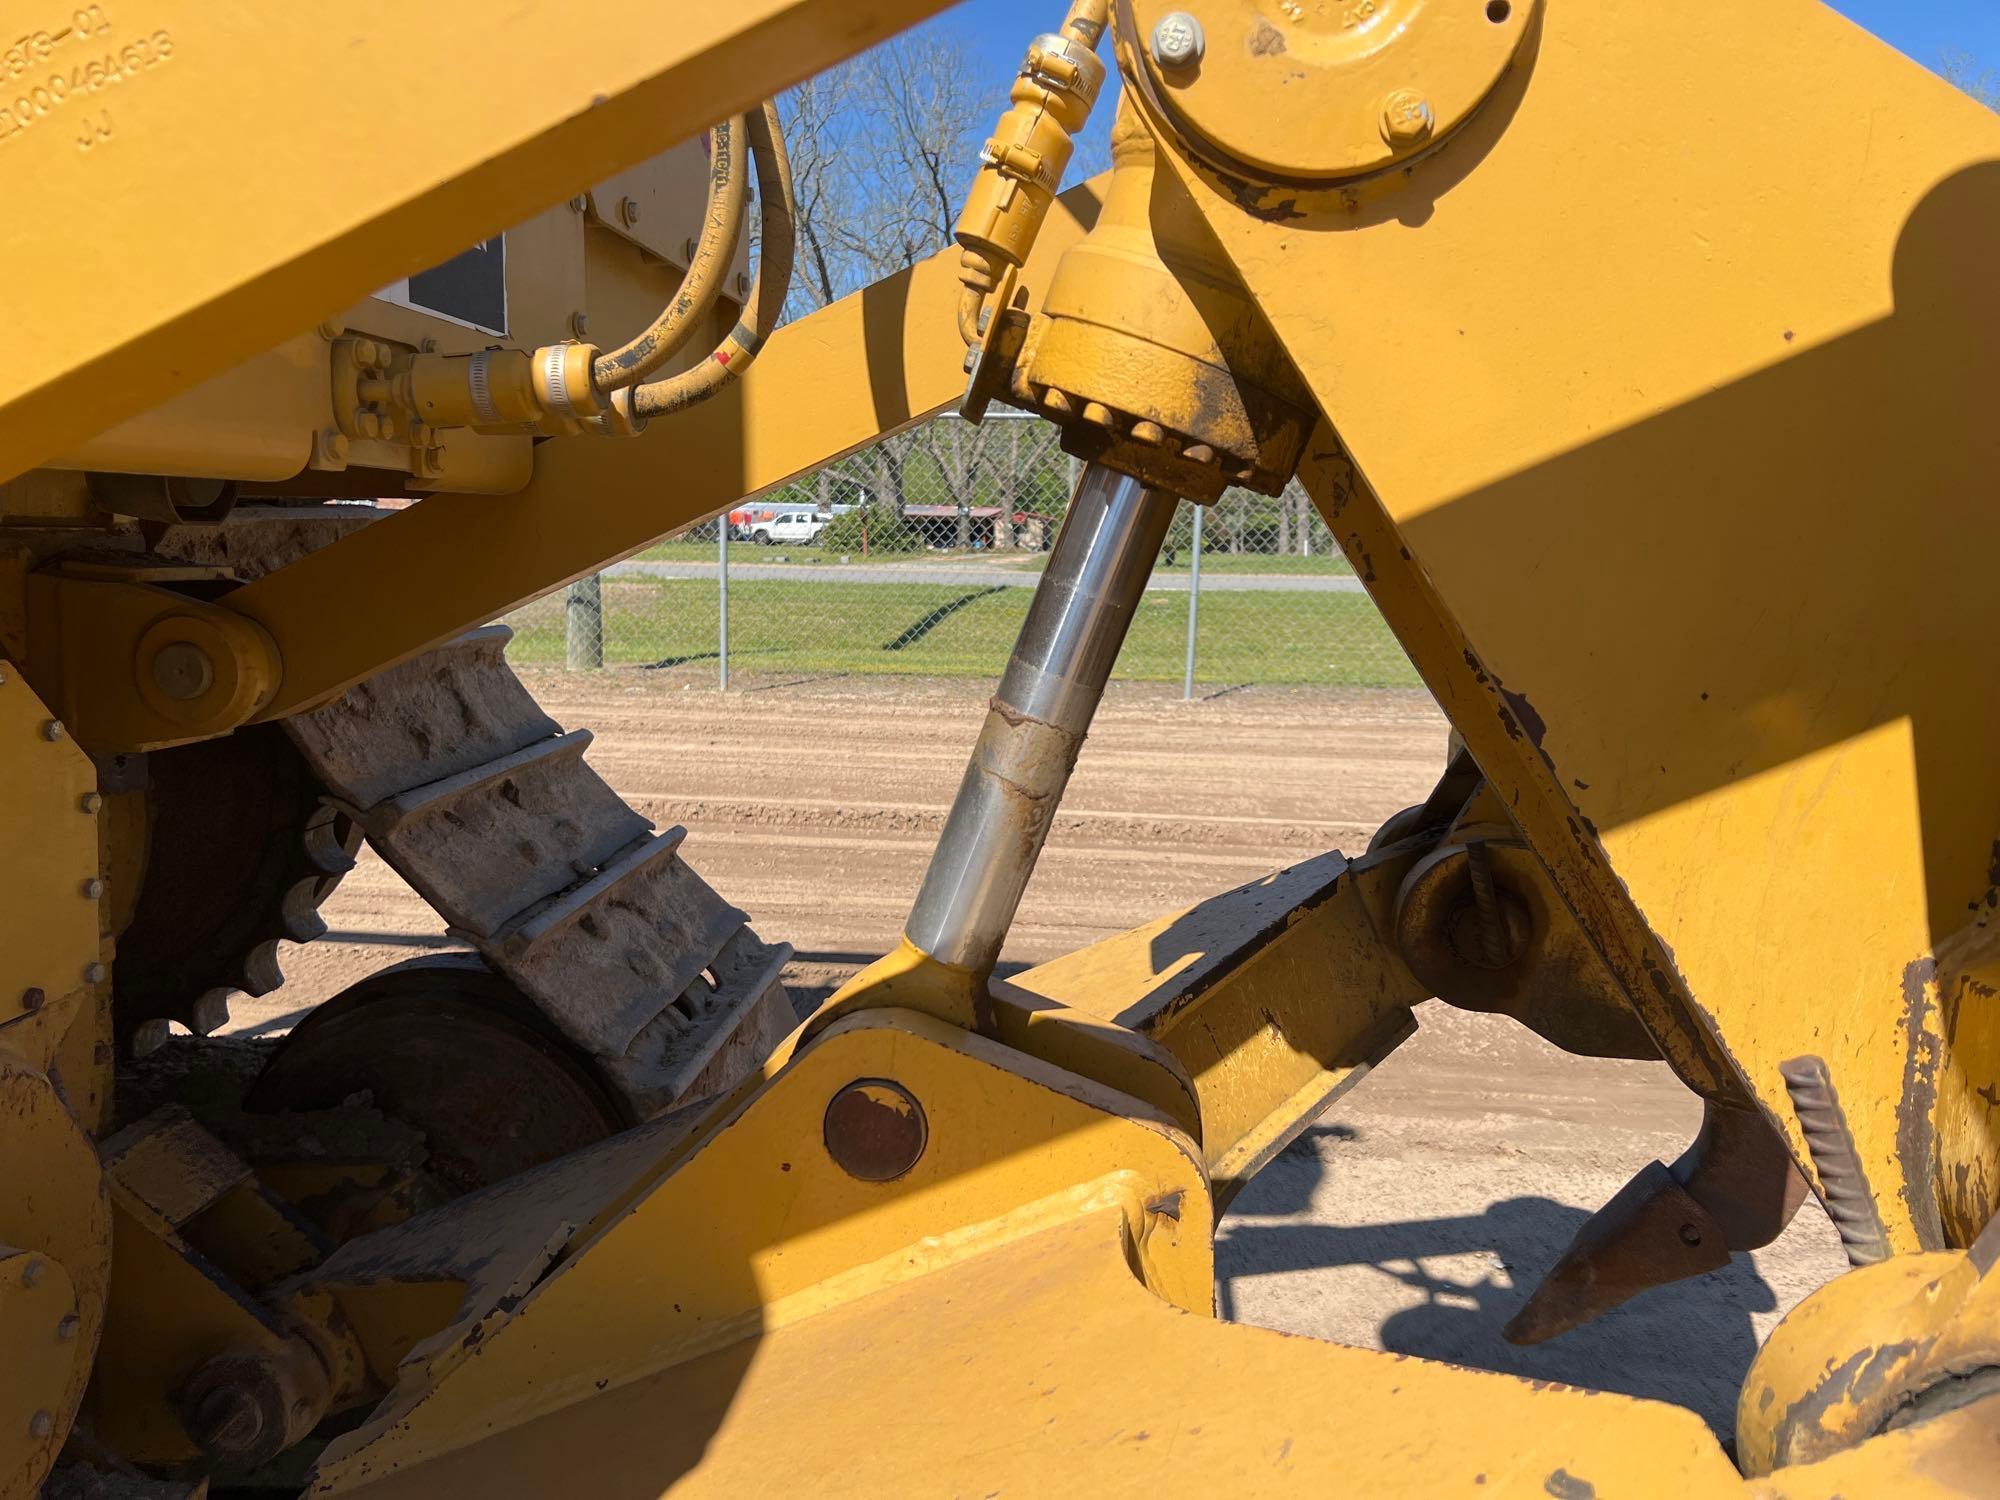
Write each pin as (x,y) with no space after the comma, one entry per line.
(80,64)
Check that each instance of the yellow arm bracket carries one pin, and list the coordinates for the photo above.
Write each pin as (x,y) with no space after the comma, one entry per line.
(867,366)
(1276,997)
(446,123)
(1674,472)
(128,665)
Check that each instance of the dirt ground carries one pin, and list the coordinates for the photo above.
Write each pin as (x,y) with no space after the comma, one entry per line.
(1420,1211)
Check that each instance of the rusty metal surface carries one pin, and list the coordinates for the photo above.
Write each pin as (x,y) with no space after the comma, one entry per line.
(239,854)
(875,1130)
(454,1051)
(1517,952)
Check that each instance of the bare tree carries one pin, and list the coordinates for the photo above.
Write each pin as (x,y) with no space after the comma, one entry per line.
(1960,67)
(883,150)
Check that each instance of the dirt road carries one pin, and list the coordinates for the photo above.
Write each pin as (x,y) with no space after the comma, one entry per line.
(1419,1213)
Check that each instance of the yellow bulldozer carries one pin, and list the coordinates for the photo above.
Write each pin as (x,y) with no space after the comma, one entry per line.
(1641,358)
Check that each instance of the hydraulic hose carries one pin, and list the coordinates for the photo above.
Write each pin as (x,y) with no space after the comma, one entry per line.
(722,227)
(778,218)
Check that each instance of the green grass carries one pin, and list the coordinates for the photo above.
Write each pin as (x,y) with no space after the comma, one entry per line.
(919,629)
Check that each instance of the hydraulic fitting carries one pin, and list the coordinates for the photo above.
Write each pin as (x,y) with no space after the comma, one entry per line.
(504,390)
(1148,353)
(1022,166)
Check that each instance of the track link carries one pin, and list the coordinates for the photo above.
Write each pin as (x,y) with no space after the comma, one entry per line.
(486,806)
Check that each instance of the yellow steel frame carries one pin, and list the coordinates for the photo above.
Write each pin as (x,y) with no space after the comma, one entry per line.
(1778,833)
(866,366)
(441,124)
(1737,440)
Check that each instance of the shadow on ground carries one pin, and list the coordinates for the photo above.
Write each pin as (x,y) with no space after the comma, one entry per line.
(1443,1288)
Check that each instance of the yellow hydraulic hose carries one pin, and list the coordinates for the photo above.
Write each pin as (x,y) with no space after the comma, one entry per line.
(722,227)
(778,220)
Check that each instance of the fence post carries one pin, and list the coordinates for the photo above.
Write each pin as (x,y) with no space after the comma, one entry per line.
(583,624)
(1194,603)
(722,602)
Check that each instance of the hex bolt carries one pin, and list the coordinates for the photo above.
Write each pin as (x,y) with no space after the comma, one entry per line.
(578,204)
(333,446)
(93,973)
(67,1326)
(579,324)
(41,1424)
(183,671)
(90,802)
(52,730)
(93,889)
(1177,40)
(429,346)
(33,998)
(628,210)
(1407,118)
(31,1273)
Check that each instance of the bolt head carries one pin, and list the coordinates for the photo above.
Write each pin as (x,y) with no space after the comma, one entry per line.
(579,324)
(93,973)
(52,730)
(66,1328)
(183,671)
(1407,118)
(32,1272)
(41,1424)
(33,998)
(429,346)
(628,210)
(90,802)
(578,204)
(1177,40)
(334,446)
(93,889)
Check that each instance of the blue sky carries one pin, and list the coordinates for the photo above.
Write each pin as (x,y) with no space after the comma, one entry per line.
(1923,29)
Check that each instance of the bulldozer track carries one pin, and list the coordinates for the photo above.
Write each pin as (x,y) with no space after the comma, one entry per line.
(486,806)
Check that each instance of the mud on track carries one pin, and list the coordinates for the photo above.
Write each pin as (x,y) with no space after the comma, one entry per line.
(1422,1209)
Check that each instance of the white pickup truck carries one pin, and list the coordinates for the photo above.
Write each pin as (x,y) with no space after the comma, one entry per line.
(802,525)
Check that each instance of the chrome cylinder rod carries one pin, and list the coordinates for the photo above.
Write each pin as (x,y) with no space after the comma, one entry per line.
(1014,782)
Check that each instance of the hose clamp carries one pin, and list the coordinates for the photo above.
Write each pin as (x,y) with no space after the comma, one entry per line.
(555,381)
(479,385)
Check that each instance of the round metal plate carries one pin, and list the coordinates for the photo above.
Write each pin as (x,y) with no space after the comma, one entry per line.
(875,1130)
(1320,90)
(448,1047)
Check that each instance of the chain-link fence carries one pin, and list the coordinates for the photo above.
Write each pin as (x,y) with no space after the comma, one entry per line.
(918,557)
